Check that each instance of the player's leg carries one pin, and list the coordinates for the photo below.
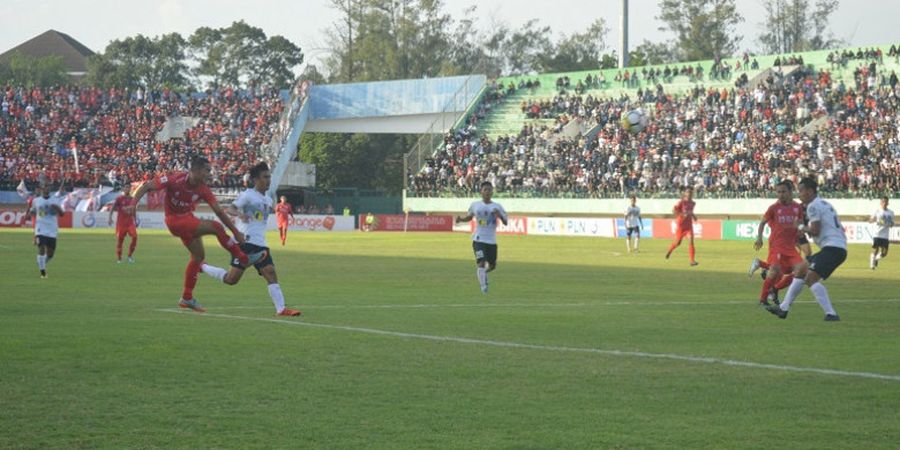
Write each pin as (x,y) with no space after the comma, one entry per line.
(637,239)
(206,227)
(268,273)
(132,232)
(691,249)
(873,258)
(481,262)
(230,277)
(282,233)
(42,257)
(824,264)
(796,286)
(768,284)
(675,242)
(195,247)
(628,240)
(120,239)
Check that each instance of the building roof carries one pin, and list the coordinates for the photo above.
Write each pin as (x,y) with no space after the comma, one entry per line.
(52,42)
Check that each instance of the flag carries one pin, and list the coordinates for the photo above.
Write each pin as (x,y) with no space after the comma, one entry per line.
(22,190)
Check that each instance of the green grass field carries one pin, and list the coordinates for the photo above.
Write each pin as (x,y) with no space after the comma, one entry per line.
(576,346)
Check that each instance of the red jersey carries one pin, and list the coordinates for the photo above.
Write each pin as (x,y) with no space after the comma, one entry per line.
(283,211)
(124,219)
(685,211)
(782,220)
(181,198)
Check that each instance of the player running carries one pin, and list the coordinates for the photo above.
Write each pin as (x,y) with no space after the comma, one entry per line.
(633,225)
(46,210)
(283,211)
(484,239)
(684,209)
(183,191)
(253,207)
(125,224)
(883,220)
(782,218)
(828,234)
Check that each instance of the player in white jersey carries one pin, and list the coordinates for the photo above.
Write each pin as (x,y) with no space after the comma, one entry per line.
(827,232)
(252,207)
(881,240)
(46,210)
(633,225)
(484,239)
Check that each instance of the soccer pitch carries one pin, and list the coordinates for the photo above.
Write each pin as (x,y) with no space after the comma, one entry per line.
(577,345)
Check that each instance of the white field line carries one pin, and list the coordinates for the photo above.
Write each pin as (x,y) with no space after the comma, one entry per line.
(554,348)
(749,302)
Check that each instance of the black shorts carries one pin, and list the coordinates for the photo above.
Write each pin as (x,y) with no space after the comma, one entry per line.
(802,240)
(881,243)
(827,260)
(250,248)
(635,230)
(485,252)
(49,242)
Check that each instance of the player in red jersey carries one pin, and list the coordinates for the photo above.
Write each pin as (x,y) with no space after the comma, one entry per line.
(183,191)
(283,211)
(125,225)
(782,217)
(684,209)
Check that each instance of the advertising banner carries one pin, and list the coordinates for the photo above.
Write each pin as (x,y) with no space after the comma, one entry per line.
(412,222)
(514,225)
(742,230)
(646,228)
(703,229)
(318,223)
(571,226)
(16,219)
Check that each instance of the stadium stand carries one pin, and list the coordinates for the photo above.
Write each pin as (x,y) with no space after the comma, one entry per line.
(115,133)
(727,128)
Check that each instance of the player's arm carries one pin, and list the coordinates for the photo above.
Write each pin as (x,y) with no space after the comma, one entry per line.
(759,234)
(813,228)
(111,211)
(500,213)
(147,186)
(57,209)
(465,218)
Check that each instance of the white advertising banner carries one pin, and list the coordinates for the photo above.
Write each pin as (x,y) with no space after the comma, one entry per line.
(572,226)
(155,220)
(862,232)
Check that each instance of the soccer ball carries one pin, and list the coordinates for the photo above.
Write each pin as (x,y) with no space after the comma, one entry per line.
(635,121)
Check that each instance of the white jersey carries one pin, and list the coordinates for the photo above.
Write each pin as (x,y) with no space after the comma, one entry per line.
(256,206)
(485,221)
(831,232)
(46,220)
(633,217)
(884,220)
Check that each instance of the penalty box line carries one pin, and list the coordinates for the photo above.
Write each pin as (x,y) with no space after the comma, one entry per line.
(555,348)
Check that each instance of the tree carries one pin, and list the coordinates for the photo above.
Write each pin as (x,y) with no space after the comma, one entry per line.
(22,70)
(152,63)
(797,26)
(652,53)
(579,51)
(527,47)
(242,55)
(354,160)
(704,29)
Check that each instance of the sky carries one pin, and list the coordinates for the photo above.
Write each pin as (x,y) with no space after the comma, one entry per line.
(96,22)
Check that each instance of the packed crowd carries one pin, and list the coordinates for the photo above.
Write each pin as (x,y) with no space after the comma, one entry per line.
(113,132)
(723,142)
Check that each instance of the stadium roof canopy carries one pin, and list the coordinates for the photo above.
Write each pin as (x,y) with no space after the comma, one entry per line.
(52,42)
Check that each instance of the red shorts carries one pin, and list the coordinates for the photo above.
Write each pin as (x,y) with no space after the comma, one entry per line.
(785,261)
(282,223)
(681,233)
(184,226)
(130,230)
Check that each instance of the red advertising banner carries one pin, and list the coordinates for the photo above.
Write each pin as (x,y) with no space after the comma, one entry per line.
(514,225)
(413,222)
(16,219)
(703,229)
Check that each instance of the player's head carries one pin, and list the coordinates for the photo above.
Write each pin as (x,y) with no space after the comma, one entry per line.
(785,191)
(884,202)
(126,190)
(283,199)
(807,189)
(199,169)
(633,200)
(261,177)
(687,193)
(44,190)
(487,189)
